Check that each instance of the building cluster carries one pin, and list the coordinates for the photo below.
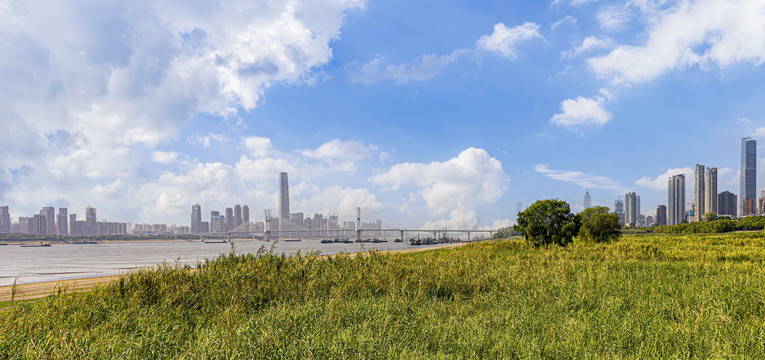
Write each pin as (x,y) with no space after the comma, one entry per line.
(47,222)
(286,222)
(705,196)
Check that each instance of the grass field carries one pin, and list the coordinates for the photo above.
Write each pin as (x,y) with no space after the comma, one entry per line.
(646,296)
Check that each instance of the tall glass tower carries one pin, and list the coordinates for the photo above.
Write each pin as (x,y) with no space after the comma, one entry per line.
(748,194)
(284,201)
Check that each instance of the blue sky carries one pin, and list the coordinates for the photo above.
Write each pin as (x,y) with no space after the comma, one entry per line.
(432,113)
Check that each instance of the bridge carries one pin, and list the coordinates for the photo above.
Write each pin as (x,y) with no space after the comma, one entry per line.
(266,231)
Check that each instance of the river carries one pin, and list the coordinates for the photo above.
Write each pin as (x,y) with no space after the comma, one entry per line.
(70,261)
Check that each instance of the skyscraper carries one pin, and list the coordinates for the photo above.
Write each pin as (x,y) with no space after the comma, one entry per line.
(63,221)
(90,221)
(619,210)
(630,209)
(676,201)
(284,200)
(711,189)
(196,219)
(587,200)
(246,214)
(40,224)
(50,217)
(727,204)
(661,215)
(230,220)
(238,214)
(748,175)
(5,220)
(699,193)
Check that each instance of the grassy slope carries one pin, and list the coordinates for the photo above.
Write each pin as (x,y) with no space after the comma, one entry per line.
(645,296)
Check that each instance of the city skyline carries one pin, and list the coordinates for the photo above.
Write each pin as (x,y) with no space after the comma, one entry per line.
(426,119)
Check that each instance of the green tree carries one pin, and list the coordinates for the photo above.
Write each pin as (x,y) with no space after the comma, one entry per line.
(710,216)
(548,222)
(598,225)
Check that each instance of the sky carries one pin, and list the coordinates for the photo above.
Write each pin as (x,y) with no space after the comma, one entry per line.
(424,114)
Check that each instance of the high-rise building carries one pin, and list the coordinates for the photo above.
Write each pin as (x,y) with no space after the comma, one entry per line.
(91,228)
(73,229)
(5,220)
(245,214)
(587,200)
(637,206)
(230,220)
(748,175)
(40,224)
(50,217)
(619,210)
(284,200)
(699,193)
(238,214)
(27,225)
(63,221)
(727,204)
(676,201)
(711,190)
(196,219)
(630,209)
(661,215)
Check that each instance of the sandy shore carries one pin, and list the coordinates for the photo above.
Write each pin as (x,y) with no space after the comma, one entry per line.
(43,289)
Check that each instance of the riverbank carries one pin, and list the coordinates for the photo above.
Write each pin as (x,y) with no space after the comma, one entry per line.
(644,296)
(37,290)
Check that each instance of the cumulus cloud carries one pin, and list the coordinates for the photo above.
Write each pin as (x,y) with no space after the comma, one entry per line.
(759,132)
(702,33)
(572,2)
(581,111)
(344,200)
(461,183)
(424,68)
(582,179)
(660,182)
(504,39)
(164,157)
(258,146)
(95,86)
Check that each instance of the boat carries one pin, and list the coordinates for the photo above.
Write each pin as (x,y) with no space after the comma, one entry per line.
(35,245)
(3,244)
(215,242)
(327,241)
(292,240)
(398,240)
(377,241)
(347,241)
(85,242)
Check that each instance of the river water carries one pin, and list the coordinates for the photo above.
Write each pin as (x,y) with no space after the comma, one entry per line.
(71,261)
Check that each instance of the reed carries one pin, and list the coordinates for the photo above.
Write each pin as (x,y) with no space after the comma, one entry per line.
(645,296)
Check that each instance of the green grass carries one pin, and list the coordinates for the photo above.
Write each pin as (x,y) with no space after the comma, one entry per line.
(646,296)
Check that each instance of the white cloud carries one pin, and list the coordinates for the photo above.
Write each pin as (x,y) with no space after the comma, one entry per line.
(759,132)
(660,182)
(566,20)
(164,157)
(461,183)
(572,2)
(588,44)
(699,33)
(458,220)
(258,146)
(95,86)
(426,67)
(581,111)
(342,199)
(613,18)
(505,39)
(582,179)
(340,150)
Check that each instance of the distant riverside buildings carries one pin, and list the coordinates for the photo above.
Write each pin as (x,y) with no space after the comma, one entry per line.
(5,220)
(619,210)
(661,215)
(676,200)
(711,190)
(699,193)
(727,204)
(587,200)
(630,211)
(48,223)
(748,176)
(284,200)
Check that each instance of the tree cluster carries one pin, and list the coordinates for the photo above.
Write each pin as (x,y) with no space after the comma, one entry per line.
(551,222)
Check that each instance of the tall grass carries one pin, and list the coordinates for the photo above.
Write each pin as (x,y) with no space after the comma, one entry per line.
(646,296)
